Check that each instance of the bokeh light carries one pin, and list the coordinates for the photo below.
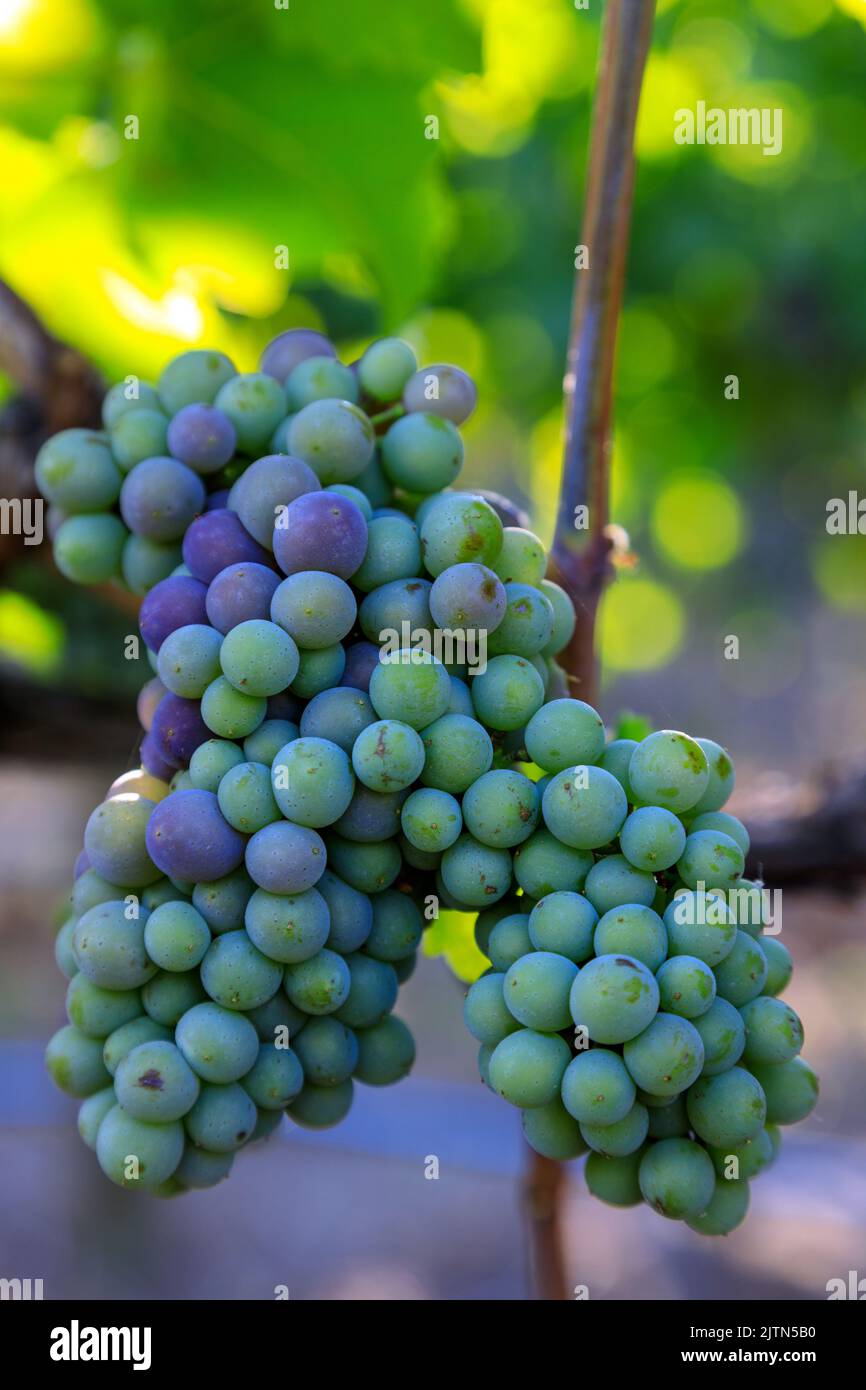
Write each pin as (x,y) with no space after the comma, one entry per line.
(641,625)
(697,521)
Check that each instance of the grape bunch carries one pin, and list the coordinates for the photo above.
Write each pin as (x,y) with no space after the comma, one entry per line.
(631,1009)
(249,900)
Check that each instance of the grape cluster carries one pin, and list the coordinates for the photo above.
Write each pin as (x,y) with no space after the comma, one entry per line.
(246,905)
(631,1007)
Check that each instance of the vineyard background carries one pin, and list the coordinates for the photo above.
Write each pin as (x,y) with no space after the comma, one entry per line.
(306,128)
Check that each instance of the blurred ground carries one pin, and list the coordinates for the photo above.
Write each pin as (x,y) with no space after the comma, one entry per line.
(350,1214)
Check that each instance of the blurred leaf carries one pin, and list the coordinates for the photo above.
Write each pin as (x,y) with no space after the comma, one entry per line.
(452,936)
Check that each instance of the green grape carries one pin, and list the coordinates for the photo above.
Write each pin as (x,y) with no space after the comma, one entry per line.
(267,1122)
(74,1063)
(597,1088)
(780,966)
(584,807)
(522,559)
(565,923)
(791,1089)
(564,733)
(614,883)
(138,435)
(725,1211)
(744,1160)
(623,1137)
(686,986)
(246,799)
(154,1082)
(615,1180)
(431,819)
(669,769)
(474,873)
(460,528)
(200,1169)
(743,972)
(774,1033)
(669,1121)
(710,860)
(75,472)
(189,659)
(564,617)
(614,998)
(327,1051)
(388,755)
(96,1012)
(527,624)
(537,989)
(485,1052)
(229,713)
(92,1112)
(526,1068)
(320,1107)
(508,941)
(385,367)
(211,761)
(130,394)
(236,974)
(121,1042)
(220,1045)
(386,1052)
(723,1034)
(372,991)
(700,924)
(145,562)
(255,404)
(410,686)
(176,936)
(222,1119)
(652,838)
(222,902)
(721,821)
(109,947)
(721,778)
(263,745)
(485,1012)
(667,1057)
(318,985)
(727,1109)
(615,759)
(313,782)
(193,377)
(369,868)
(544,865)
(501,809)
(63,952)
(397,927)
(90,890)
(277,1019)
(133,1153)
(774,1134)
(319,670)
(276,1077)
(631,930)
(335,438)
(259,658)
(287,927)
(677,1178)
(507,694)
(319,379)
(458,750)
(551,1132)
(168,996)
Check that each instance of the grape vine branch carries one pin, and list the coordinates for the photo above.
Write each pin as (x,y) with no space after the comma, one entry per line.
(580,559)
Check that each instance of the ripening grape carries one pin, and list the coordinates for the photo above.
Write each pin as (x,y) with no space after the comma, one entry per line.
(669,769)
(339,715)
(154,1082)
(623,1137)
(727,1109)
(134,1153)
(667,1057)
(615,998)
(552,1132)
(527,1067)
(597,1088)
(677,1178)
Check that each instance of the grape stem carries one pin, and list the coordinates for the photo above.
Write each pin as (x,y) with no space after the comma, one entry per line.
(385,417)
(580,559)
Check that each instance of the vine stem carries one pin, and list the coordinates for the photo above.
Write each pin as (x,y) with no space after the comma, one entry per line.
(580,557)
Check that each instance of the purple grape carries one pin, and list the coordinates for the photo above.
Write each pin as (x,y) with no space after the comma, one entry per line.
(285,706)
(362,658)
(160,497)
(284,352)
(152,760)
(187,838)
(441,390)
(216,540)
(216,501)
(322,531)
(173,603)
(271,482)
(178,729)
(285,858)
(202,437)
(149,697)
(238,593)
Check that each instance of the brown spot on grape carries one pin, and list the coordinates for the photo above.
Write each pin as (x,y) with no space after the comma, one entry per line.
(151,1080)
